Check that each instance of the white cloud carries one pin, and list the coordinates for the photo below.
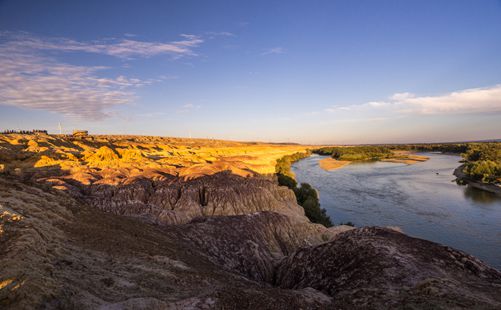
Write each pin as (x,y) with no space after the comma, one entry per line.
(273,50)
(30,78)
(36,82)
(473,100)
(189,107)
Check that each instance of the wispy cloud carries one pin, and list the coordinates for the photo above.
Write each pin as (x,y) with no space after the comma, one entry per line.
(34,79)
(473,100)
(273,50)
(122,48)
(36,82)
(214,34)
(189,107)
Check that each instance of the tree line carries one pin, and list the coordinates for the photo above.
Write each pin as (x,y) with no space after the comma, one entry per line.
(356,153)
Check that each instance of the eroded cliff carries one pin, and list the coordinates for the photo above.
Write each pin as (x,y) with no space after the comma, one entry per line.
(56,253)
(176,201)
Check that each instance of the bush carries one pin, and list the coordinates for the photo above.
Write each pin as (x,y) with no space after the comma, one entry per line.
(483,162)
(283,169)
(487,171)
(306,196)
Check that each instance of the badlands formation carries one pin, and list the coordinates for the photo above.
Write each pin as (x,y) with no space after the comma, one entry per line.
(129,222)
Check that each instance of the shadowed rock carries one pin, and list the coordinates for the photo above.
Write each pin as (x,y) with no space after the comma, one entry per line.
(251,244)
(381,268)
(177,201)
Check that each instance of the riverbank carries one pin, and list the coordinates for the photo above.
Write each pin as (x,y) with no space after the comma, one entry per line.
(464,179)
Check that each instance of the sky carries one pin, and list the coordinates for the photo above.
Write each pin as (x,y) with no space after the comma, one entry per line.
(315,72)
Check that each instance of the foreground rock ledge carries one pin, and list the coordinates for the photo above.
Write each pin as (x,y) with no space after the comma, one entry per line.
(58,251)
(382,268)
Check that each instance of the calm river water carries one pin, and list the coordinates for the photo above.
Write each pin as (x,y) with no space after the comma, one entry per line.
(422,199)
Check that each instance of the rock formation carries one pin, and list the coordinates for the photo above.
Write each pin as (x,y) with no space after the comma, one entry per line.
(382,268)
(56,253)
(95,225)
(177,201)
(252,244)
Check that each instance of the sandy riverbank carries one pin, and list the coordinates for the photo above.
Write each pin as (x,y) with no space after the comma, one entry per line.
(406,157)
(402,157)
(332,164)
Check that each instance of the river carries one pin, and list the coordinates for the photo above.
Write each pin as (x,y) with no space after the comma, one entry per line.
(422,199)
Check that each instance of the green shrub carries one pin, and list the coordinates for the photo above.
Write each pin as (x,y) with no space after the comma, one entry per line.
(306,196)
(487,171)
(356,153)
(483,162)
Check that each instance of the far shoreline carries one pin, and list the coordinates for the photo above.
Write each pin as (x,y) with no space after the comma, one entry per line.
(401,157)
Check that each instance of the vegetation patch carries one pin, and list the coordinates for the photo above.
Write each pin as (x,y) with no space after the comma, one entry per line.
(306,195)
(483,162)
(357,153)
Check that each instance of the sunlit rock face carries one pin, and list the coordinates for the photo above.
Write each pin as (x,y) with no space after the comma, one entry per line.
(114,160)
(176,201)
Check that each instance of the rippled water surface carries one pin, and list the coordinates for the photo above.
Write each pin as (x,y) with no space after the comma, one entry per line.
(422,199)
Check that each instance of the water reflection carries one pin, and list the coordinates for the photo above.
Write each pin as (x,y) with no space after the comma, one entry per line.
(422,199)
(479,196)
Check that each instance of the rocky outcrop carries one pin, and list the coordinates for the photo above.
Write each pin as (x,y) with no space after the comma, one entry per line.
(380,268)
(377,268)
(110,159)
(177,201)
(57,253)
(251,244)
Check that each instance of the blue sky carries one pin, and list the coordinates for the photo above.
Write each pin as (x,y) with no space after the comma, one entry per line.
(302,71)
